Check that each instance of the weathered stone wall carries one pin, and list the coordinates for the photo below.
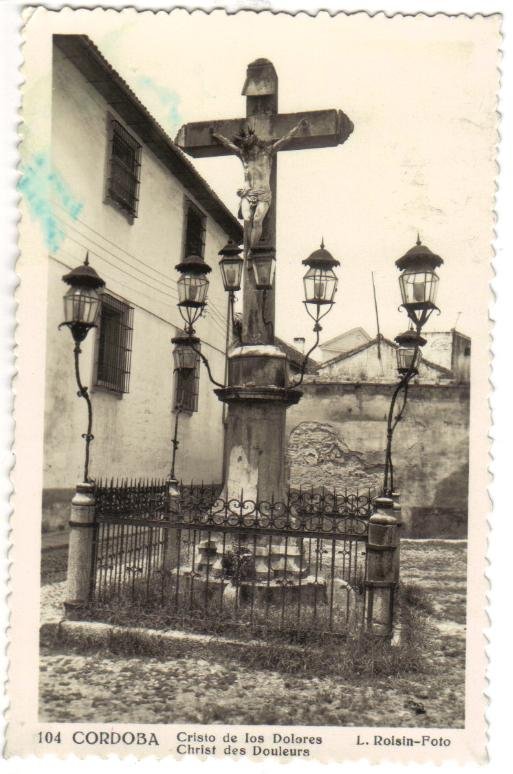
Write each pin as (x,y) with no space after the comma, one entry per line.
(461,357)
(375,364)
(337,437)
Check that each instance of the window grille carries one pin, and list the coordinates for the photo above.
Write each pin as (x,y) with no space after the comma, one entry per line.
(187,387)
(195,223)
(124,169)
(114,345)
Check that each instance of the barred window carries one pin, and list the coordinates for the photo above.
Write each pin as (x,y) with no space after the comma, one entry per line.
(124,169)
(114,345)
(187,387)
(195,224)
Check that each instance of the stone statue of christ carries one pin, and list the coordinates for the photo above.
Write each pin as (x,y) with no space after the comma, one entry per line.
(256,156)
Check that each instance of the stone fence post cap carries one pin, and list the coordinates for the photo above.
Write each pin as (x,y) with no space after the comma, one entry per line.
(84,494)
(385,519)
(384,502)
(85,487)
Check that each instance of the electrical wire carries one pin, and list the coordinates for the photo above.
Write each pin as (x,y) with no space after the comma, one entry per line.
(215,319)
(69,224)
(171,323)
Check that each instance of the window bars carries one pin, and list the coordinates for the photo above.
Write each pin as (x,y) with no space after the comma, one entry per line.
(195,224)
(124,169)
(114,345)
(187,387)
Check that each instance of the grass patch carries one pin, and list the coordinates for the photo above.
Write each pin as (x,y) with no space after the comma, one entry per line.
(355,655)
(415,598)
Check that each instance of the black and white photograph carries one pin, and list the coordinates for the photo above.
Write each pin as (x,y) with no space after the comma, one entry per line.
(255,255)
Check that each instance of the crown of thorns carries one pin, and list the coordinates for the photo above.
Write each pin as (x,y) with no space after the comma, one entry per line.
(244,135)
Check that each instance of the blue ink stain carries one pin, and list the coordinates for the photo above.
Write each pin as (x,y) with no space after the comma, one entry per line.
(168,98)
(41,186)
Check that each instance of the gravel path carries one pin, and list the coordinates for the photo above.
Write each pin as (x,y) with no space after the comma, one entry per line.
(107,688)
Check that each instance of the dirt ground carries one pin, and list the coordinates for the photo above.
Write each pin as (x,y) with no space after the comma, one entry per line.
(99,687)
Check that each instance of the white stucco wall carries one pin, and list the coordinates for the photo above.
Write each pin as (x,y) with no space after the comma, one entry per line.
(450,349)
(132,432)
(344,343)
(366,366)
(438,347)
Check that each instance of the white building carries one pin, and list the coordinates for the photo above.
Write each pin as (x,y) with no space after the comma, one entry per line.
(450,349)
(355,357)
(124,193)
(343,342)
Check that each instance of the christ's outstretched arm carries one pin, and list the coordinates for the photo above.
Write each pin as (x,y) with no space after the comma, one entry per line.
(225,142)
(284,140)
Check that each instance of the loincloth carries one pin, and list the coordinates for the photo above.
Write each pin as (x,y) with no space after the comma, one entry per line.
(254,196)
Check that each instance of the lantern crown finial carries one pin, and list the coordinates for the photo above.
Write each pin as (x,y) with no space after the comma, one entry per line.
(193,264)
(321,258)
(410,338)
(419,257)
(418,239)
(83,275)
(230,249)
(231,266)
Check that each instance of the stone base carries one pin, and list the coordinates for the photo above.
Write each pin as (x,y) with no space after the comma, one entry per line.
(257,593)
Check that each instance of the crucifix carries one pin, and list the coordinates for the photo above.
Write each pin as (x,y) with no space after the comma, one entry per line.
(256,141)
(258,392)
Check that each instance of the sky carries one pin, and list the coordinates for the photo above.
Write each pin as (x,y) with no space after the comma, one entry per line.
(421,93)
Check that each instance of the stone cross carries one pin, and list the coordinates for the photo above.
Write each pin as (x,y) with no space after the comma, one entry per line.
(279,131)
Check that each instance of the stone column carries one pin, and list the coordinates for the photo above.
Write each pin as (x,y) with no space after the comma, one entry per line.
(258,395)
(80,552)
(382,568)
(172,533)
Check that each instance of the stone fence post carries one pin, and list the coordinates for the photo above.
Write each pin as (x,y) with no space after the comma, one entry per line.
(173,500)
(81,547)
(382,573)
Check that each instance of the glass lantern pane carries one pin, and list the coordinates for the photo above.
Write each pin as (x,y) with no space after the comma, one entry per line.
(177,358)
(406,359)
(232,273)
(192,289)
(81,305)
(264,271)
(184,356)
(188,358)
(320,285)
(418,287)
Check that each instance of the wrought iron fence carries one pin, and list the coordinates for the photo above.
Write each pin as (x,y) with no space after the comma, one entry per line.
(294,567)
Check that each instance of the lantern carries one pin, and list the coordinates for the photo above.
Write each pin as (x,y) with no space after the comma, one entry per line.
(408,353)
(419,282)
(320,283)
(184,355)
(192,288)
(82,300)
(231,266)
(264,265)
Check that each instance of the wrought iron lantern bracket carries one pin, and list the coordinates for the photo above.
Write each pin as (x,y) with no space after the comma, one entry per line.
(81,307)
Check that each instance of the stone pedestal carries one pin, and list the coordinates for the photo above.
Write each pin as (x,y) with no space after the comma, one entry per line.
(80,551)
(382,568)
(258,396)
